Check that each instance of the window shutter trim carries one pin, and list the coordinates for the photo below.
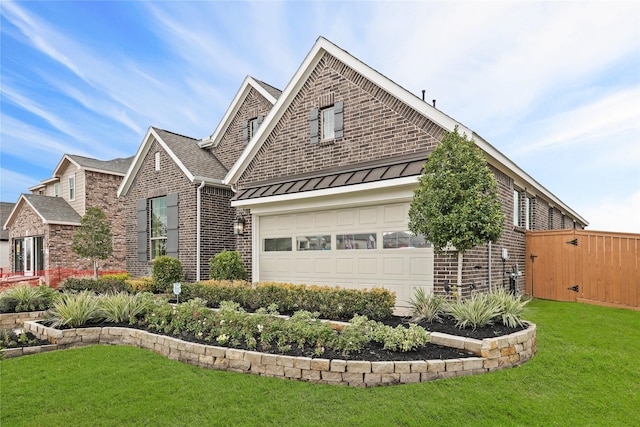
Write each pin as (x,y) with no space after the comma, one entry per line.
(172,225)
(314,125)
(141,229)
(338,111)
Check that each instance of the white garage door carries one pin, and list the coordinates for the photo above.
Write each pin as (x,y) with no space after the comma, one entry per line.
(361,247)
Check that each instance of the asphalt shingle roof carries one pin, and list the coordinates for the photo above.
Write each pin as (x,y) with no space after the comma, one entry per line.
(120,165)
(199,161)
(5,211)
(53,209)
(272,90)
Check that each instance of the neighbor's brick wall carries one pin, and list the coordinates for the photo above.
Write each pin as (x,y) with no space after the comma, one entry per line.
(231,144)
(102,192)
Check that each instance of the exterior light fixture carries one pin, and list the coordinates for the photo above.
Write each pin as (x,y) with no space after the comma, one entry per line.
(238,225)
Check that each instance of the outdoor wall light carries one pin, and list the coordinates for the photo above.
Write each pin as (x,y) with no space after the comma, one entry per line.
(238,225)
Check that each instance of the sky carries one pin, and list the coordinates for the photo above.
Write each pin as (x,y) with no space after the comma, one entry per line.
(553,85)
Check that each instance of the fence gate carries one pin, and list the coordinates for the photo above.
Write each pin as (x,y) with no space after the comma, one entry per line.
(585,266)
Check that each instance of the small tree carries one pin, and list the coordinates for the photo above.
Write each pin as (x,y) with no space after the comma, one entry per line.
(456,202)
(93,238)
(166,271)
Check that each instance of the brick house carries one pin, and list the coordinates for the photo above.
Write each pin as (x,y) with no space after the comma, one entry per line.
(325,186)
(41,224)
(175,201)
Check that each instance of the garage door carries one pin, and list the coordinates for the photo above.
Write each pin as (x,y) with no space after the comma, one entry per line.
(361,247)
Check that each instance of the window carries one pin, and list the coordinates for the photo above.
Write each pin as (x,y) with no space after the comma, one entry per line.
(72,187)
(403,239)
(516,208)
(326,124)
(250,128)
(56,190)
(313,243)
(278,244)
(527,213)
(158,237)
(157,161)
(356,241)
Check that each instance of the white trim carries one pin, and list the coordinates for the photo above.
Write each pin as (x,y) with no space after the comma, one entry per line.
(248,83)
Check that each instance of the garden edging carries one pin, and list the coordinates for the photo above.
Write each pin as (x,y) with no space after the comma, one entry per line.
(491,354)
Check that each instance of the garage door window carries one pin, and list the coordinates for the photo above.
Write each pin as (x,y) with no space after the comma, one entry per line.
(278,244)
(356,241)
(313,243)
(403,239)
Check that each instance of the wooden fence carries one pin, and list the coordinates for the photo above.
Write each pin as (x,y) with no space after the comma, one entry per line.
(586,266)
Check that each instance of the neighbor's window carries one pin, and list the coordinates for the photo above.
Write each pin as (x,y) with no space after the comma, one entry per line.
(356,241)
(403,239)
(313,243)
(158,237)
(278,244)
(516,208)
(72,187)
(56,189)
(527,213)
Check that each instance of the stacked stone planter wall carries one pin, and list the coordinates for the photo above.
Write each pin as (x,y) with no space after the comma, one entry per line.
(15,320)
(491,354)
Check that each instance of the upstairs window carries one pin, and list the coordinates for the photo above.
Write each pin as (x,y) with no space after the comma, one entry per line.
(157,161)
(56,190)
(250,128)
(326,124)
(516,208)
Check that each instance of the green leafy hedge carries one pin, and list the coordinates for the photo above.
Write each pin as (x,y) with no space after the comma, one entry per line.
(330,302)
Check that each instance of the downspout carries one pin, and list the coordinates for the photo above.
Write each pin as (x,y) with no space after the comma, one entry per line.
(489,265)
(198,220)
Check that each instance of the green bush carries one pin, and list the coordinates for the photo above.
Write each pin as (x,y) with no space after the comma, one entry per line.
(427,307)
(227,265)
(123,307)
(166,271)
(102,285)
(510,307)
(477,311)
(74,310)
(27,298)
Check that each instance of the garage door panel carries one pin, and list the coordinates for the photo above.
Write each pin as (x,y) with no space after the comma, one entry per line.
(368,266)
(399,269)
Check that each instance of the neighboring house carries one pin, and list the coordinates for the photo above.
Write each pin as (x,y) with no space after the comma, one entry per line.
(325,185)
(175,201)
(5,260)
(41,225)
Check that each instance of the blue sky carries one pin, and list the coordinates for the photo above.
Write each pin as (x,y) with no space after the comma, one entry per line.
(555,86)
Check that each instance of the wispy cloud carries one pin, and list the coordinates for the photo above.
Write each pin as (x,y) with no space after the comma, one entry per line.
(614,214)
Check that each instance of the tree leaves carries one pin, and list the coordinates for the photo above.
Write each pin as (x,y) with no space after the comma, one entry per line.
(456,201)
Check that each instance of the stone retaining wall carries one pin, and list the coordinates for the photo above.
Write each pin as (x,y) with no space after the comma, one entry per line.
(491,354)
(15,320)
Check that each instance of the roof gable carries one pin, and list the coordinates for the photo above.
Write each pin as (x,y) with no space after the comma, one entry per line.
(270,93)
(117,166)
(197,164)
(323,47)
(50,210)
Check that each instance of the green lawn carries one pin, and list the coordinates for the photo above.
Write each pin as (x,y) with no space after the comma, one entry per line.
(586,372)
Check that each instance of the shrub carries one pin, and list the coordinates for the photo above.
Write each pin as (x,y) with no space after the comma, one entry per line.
(477,311)
(166,271)
(123,307)
(140,284)
(427,307)
(74,310)
(510,307)
(115,276)
(227,265)
(107,283)
(27,298)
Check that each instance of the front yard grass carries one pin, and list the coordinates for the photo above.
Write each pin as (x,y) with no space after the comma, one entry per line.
(586,372)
